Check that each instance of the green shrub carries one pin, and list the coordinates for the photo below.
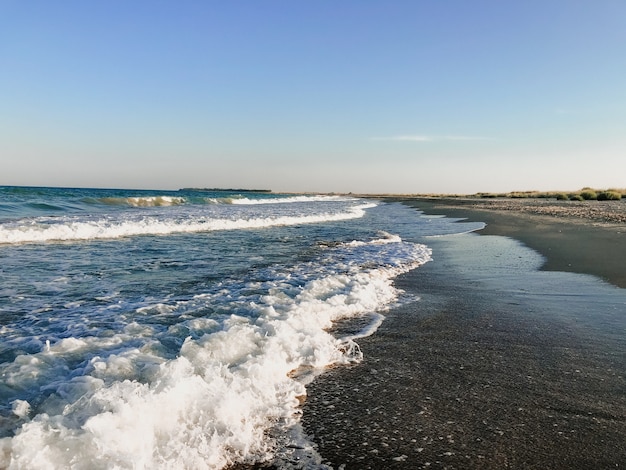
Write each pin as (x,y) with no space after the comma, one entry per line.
(609,196)
(561,197)
(588,195)
(576,197)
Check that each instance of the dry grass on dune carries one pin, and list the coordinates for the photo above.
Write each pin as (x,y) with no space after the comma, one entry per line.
(584,194)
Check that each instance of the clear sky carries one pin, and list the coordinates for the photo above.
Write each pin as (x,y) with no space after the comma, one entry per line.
(321,95)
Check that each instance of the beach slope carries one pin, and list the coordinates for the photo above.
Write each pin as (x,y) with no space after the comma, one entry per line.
(498,365)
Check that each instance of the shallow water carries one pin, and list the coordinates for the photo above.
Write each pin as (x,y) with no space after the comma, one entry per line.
(498,365)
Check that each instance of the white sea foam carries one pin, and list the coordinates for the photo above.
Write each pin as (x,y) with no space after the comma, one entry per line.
(146,201)
(116,402)
(47,229)
(386,238)
(289,200)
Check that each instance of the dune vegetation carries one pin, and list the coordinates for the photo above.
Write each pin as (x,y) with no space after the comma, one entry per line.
(584,194)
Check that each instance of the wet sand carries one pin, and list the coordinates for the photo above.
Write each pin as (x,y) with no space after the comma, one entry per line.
(498,365)
(587,237)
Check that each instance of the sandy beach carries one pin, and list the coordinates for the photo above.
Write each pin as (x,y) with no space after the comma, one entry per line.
(584,237)
(505,361)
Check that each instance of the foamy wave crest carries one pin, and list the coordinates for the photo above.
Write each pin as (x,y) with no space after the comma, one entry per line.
(42,230)
(113,402)
(385,239)
(244,201)
(149,201)
(288,200)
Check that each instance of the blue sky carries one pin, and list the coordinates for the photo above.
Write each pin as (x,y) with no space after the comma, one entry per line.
(363,96)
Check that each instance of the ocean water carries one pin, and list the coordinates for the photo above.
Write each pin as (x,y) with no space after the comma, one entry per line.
(179,329)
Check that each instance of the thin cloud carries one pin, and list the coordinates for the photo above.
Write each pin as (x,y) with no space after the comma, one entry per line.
(430,138)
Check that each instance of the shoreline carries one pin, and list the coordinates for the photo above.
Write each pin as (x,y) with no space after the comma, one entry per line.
(586,238)
(498,365)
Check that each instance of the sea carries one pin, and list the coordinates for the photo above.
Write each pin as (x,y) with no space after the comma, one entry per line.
(148,329)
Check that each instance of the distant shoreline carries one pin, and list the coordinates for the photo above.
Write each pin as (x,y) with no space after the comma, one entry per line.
(583,237)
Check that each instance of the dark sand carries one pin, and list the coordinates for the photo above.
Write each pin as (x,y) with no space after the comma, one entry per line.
(499,365)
